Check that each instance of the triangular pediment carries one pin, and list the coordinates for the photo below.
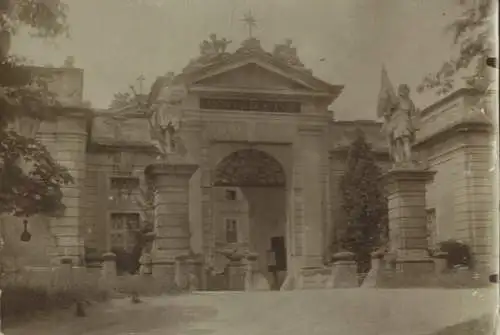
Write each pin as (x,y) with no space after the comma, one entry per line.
(253,76)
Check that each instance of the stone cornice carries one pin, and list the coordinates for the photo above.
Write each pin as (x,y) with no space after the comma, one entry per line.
(407,174)
(245,92)
(171,169)
(344,150)
(74,112)
(312,129)
(262,59)
(453,130)
(460,93)
(121,146)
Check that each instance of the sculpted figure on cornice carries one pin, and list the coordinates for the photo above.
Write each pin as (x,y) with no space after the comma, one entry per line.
(287,53)
(209,49)
(213,46)
(166,112)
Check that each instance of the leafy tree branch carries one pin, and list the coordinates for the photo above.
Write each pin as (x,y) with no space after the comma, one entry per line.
(473,34)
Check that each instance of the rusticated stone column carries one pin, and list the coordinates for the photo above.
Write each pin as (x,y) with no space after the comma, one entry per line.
(66,139)
(171,211)
(408,244)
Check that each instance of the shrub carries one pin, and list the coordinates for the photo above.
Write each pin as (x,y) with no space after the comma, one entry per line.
(126,263)
(458,253)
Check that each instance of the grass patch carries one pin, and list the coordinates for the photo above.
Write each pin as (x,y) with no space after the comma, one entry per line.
(20,303)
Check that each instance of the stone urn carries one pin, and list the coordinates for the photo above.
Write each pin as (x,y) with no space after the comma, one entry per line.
(234,255)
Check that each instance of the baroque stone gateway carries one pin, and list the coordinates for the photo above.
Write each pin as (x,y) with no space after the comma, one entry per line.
(242,158)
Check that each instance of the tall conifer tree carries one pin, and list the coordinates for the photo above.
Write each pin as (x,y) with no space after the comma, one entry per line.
(364,206)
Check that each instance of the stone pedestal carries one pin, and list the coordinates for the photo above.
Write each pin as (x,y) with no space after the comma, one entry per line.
(440,262)
(66,273)
(171,212)
(344,271)
(188,273)
(313,278)
(408,255)
(236,275)
(375,275)
(109,266)
(250,266)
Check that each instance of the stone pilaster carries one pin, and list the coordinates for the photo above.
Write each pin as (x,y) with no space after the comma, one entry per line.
(406,189)
(313,182)
(308,207)
(171,212)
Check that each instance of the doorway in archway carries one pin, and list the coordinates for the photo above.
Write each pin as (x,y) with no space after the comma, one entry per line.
(250,210)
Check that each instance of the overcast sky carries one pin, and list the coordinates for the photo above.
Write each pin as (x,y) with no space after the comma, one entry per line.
(115,41)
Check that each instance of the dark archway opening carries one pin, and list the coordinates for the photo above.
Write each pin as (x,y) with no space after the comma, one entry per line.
(250,210)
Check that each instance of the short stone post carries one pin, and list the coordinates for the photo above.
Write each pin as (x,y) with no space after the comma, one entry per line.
(235,270)
(373,277)
(344,273)
(66,272)
(250,260)
(109,266)
(236,273)
(188,272)
(181,277)
(440,261)
(1,318)
(146,264)
(194,267)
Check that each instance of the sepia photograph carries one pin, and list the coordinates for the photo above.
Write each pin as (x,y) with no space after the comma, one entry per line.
(249,167)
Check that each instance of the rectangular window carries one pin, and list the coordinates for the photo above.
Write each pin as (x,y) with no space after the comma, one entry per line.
(251,105)
(123,226)
(230,195)
(122,187)
(231,230)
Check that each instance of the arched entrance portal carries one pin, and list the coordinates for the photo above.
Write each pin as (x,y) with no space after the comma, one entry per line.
(250,209)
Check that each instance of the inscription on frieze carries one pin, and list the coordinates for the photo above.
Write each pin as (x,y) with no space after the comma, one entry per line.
(250,105)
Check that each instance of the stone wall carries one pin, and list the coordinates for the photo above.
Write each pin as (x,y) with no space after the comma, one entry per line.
(16,254)
(455,141)
(101,167)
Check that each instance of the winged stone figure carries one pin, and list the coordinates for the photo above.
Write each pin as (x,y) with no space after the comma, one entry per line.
(400,117)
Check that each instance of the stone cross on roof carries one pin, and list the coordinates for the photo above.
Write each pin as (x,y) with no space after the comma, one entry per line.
(250,21)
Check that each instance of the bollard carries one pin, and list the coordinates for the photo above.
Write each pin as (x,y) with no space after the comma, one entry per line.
(1,328)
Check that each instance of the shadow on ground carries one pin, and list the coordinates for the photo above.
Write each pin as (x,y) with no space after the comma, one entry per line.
(479,326)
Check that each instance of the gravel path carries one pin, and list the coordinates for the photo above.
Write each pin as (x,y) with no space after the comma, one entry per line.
(354,311)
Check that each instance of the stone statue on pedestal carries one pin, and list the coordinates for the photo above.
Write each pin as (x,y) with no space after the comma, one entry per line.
(400,116)
(165,119)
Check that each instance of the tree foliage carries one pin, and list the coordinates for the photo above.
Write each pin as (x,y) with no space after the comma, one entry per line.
(30,179)
(122,100)
(473,34)
(364,206)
